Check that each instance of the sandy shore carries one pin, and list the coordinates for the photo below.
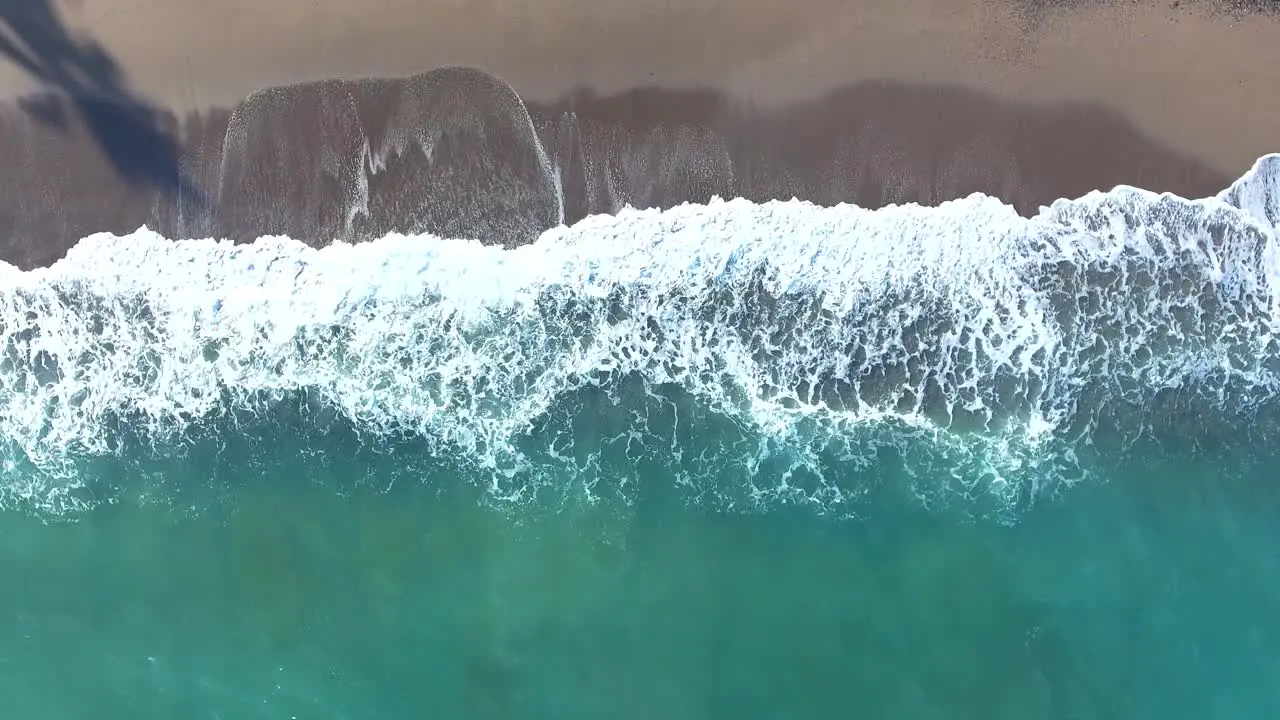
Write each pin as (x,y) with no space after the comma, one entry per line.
(826,100)
(1202,81)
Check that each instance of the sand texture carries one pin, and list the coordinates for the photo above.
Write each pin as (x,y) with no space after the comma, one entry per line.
(348,120)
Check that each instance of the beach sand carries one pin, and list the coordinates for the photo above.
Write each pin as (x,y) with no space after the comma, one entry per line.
(643,104)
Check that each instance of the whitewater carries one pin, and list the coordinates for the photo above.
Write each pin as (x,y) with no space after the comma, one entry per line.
(759,354)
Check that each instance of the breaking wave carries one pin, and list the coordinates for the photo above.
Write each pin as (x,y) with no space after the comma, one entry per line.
(754,355)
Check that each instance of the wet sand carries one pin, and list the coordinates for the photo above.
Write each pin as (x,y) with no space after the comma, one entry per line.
(873,103)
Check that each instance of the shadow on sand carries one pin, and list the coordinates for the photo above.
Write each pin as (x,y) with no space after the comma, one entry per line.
(124,126)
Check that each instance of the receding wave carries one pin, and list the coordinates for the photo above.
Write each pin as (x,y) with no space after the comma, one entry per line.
(457,152)
(758,354)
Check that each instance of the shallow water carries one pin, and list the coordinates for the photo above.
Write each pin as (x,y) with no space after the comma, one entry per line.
(1153,595)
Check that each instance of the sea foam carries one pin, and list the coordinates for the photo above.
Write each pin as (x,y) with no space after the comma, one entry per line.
(826,332)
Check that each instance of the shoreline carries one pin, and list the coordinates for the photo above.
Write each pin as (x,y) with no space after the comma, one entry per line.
(860,102)
(455,152)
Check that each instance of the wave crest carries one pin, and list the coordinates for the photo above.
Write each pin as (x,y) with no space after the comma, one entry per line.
(813,338)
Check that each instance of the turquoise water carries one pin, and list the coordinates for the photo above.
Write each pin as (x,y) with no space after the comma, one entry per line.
(725,461)
(297,593)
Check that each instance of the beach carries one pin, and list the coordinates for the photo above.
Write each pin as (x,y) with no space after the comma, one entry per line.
(1168,67)
(705,360)
(851,103)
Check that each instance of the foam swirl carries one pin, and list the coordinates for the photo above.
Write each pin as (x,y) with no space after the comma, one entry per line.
(813,335)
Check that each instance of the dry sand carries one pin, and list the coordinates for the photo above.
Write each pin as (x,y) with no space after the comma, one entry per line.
(1204,82)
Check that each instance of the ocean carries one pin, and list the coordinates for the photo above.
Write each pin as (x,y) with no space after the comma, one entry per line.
(724,460)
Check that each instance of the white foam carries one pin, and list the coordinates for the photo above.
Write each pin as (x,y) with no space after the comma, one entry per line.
(959,317)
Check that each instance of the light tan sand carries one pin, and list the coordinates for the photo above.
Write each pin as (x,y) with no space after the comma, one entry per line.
(1209,85)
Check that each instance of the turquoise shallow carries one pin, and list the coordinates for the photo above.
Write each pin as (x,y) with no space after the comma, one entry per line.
(726,461)
(1154,595)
